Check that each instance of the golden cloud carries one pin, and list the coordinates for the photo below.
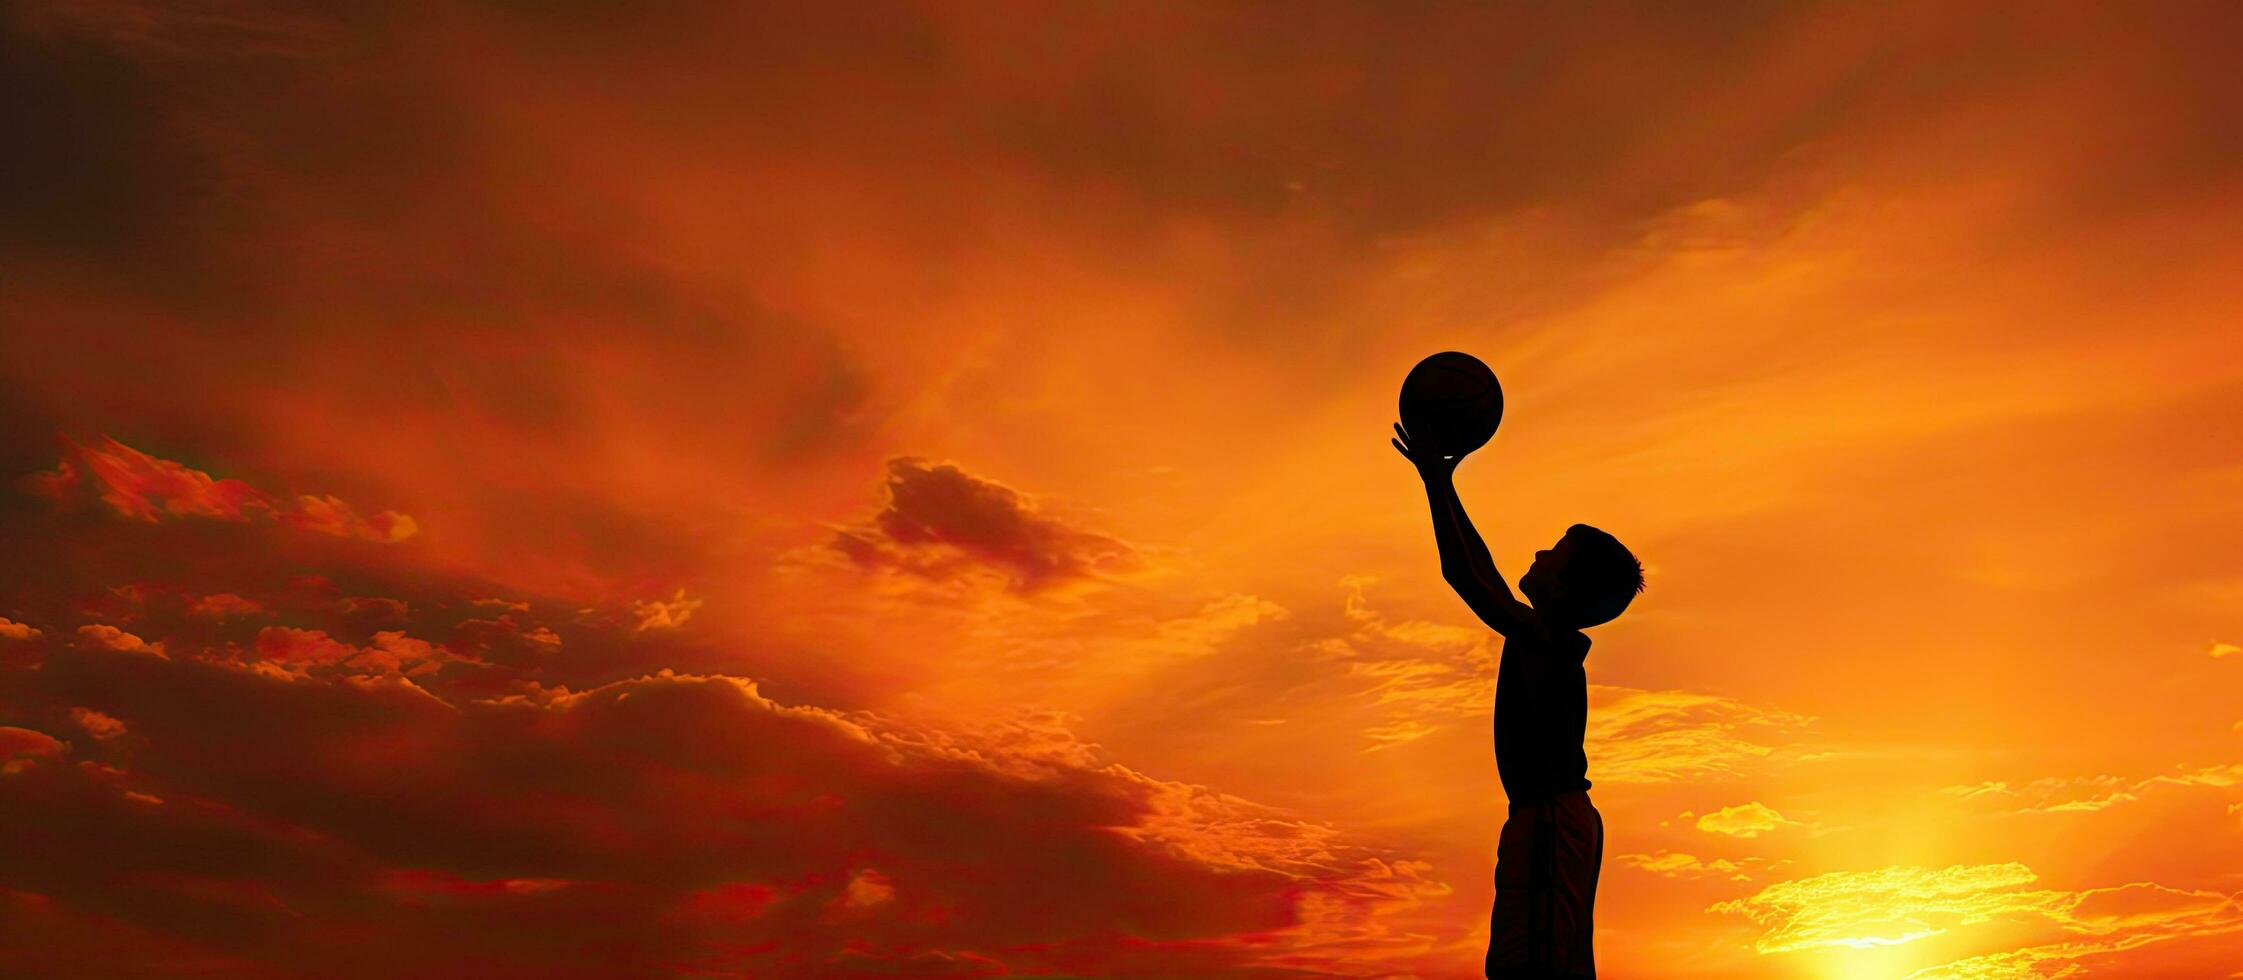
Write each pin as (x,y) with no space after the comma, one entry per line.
(665,614)
(2114,920)
(1889,906)
(1897,905)
(1745,820)
(1643,736)
(1675,864)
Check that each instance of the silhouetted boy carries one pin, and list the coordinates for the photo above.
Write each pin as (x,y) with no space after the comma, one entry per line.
(1547,857)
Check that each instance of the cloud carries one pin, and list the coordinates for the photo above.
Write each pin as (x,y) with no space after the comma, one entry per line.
(102,727)
(301,648)
(146,488)
(2221,650)
(332,516)
(1901,904)
(373,806)
(1673,864)
(2087,794)
(1890,906)
(1419,677)
(943,524)
(665,614)
(225,605)
(1746,820)
(1218,621)
(367,611)
(21,747)
(2110,921)
(1644,736)
(12,630)
(1424,677)
(111,638)
(300,653)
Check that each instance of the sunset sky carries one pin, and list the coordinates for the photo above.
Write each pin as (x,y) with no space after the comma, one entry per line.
(646,490)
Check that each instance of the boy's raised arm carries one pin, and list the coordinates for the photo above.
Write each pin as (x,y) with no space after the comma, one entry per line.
(1465,562)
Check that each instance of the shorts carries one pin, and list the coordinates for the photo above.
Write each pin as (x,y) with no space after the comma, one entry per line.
(1545,890)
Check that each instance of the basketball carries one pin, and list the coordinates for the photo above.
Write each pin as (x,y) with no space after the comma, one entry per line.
(1451,403)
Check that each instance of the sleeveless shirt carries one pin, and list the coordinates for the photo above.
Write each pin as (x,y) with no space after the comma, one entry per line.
(1541,715)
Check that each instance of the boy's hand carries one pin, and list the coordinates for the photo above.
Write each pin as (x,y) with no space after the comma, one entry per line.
(1430,465)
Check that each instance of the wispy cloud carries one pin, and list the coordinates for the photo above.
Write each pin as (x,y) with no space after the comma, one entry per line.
(1644,736)
(2086,794)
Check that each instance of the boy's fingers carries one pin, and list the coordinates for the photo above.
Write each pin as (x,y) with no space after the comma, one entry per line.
(1398,447)
(1404,433)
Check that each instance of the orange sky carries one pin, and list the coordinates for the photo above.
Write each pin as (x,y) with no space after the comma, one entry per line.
(903,490)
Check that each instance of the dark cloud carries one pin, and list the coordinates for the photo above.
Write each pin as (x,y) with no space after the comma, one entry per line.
(259,811)
(943,523)
(233,744)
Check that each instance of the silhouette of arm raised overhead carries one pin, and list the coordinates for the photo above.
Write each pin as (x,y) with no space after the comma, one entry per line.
(1465,562)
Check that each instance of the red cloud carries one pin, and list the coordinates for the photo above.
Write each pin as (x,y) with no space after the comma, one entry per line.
(143,487)
(109,637)
(96,724)
(146,488)
(329,515)
(19,747)
(300,652)
(224,605)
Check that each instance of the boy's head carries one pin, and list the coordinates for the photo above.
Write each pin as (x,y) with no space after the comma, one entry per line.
(1587,578)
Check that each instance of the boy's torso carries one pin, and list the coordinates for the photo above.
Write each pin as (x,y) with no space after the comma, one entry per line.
(1541,715)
